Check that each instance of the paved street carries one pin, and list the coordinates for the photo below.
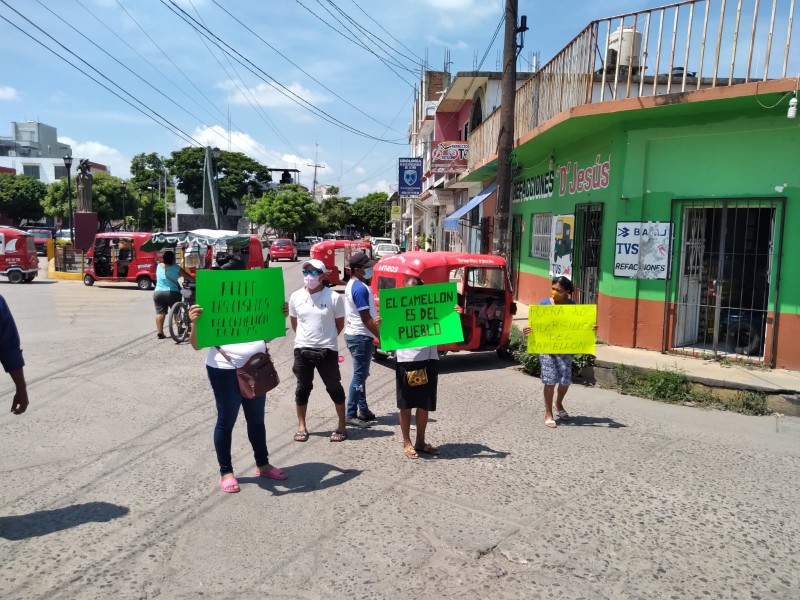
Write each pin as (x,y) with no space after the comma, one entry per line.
(111,482)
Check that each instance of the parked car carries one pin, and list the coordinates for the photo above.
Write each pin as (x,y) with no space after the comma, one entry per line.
(380,240)
(382,250)
(304,245)
(41,234)
(282,248)
(64,234)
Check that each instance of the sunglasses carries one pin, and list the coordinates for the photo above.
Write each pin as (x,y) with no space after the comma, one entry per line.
(312,272)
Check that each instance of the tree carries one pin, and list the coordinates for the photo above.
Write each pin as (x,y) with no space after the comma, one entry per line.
(289,209)
(107,198)
(336,213)
(236,173)
(21,197)
(369,213)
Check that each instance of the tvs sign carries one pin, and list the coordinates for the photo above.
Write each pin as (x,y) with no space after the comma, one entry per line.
(449,157)
(642,250)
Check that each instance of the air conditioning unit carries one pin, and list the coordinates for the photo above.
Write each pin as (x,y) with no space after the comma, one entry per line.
(624,48)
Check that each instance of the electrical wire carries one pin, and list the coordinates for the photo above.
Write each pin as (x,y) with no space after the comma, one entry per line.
(199,91)
(173,128)
(294,64)
(246,92)
(253,68)
(421,60)
(356,42)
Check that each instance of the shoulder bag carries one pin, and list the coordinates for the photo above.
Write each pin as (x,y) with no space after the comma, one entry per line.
(257,376)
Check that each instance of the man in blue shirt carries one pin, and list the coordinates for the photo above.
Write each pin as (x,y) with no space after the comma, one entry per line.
(11,357)
(360,332)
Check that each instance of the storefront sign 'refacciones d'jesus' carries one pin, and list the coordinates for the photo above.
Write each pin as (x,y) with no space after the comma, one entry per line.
(642,250)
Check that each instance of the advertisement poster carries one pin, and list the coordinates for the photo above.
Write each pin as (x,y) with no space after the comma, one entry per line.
(562,328)
(409,176)
(418,316)
(562,233)
(449,157)
(240,306)
(642,250)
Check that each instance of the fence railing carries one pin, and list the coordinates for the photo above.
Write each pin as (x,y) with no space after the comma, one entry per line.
(679,47)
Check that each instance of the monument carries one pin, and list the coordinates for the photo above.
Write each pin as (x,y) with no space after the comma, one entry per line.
(85,219)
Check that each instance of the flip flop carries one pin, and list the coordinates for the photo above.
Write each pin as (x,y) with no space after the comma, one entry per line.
(427,449)
(273,473)
(410,452)
(338,436)
(227,485)
(563,415)
(551,423)
(301,436)
(161,336)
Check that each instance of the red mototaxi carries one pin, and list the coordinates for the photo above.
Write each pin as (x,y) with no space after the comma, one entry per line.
(484,292)
(18,259)
(118,257)
(338,252)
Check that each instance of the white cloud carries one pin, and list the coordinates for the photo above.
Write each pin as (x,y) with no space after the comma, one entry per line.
(8,93)
(379,186)
(360,170)
(459,45)
(269,95)
(118,165)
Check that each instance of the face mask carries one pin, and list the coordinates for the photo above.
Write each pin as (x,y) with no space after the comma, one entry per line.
(311,281)
(554,293)
(368,273)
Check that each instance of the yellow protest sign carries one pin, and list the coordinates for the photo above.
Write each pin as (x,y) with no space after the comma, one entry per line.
(562,328)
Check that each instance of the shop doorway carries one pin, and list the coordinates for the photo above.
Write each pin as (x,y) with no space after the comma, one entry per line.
(589,224)
(727,278)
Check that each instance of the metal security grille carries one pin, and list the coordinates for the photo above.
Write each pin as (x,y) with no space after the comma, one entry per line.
(727,277)
(541,225)
(516,252)
(587,258)
(487,231)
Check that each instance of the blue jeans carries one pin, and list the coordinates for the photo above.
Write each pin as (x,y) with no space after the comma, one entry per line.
(360,347)
(229,399)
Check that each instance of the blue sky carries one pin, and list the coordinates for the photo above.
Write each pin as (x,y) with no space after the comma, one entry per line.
(189,82)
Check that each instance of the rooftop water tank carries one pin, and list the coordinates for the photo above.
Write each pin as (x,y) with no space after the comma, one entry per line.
(624,48)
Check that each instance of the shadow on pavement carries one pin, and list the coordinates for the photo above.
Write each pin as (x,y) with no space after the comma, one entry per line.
(305,477)
(592,422)
(44,522)
(452,451)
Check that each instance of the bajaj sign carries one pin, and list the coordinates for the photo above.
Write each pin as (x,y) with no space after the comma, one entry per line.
(410,177)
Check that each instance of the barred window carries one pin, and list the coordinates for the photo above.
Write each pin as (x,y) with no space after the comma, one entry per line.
(541,224)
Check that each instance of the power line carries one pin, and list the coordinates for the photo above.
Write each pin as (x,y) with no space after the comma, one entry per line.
(199,91)
(421,60)
(253,68)
(124,66)
(357,43)
(173,128)
(290,61)
(248,95)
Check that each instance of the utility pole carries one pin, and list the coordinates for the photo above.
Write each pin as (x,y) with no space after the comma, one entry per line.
(316,166)
(505,141)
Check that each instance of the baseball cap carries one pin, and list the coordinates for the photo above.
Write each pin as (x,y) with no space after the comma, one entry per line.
(361,260)
(315,263)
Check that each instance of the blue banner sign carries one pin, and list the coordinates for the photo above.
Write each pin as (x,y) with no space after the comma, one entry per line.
(410,177)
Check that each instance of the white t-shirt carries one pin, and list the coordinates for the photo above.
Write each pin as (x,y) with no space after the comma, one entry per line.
(239,353)
(358,297)
(316,318)
(414,354)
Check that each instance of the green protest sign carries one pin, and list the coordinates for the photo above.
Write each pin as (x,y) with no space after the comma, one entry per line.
(562,328)
(240,306)
(417,316)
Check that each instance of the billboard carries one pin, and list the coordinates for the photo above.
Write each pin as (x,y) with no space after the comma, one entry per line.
(642,250)
(449,157)
(409,177)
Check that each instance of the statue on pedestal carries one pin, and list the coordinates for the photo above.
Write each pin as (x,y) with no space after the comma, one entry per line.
(84,182)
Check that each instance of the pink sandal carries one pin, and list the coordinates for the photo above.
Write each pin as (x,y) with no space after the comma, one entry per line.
(227,485)
(273,473)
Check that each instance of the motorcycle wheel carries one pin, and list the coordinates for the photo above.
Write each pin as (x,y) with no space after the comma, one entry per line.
(743,338)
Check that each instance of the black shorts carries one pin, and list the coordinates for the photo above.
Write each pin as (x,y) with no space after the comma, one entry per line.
(164,300)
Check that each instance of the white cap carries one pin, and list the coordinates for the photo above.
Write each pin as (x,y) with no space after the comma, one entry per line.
(315,264)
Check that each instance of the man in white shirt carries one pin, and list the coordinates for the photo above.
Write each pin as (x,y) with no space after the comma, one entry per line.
(359,334)
(317,316)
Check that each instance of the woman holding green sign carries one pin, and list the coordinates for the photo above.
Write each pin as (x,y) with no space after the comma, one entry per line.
(416,382)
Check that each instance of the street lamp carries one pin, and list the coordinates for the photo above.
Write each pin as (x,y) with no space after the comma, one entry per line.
(68,164)
(139,224)
(124,187)
(152,188)
(215,152)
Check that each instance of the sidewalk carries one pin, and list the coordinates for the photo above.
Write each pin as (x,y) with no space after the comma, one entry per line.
(783,385)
